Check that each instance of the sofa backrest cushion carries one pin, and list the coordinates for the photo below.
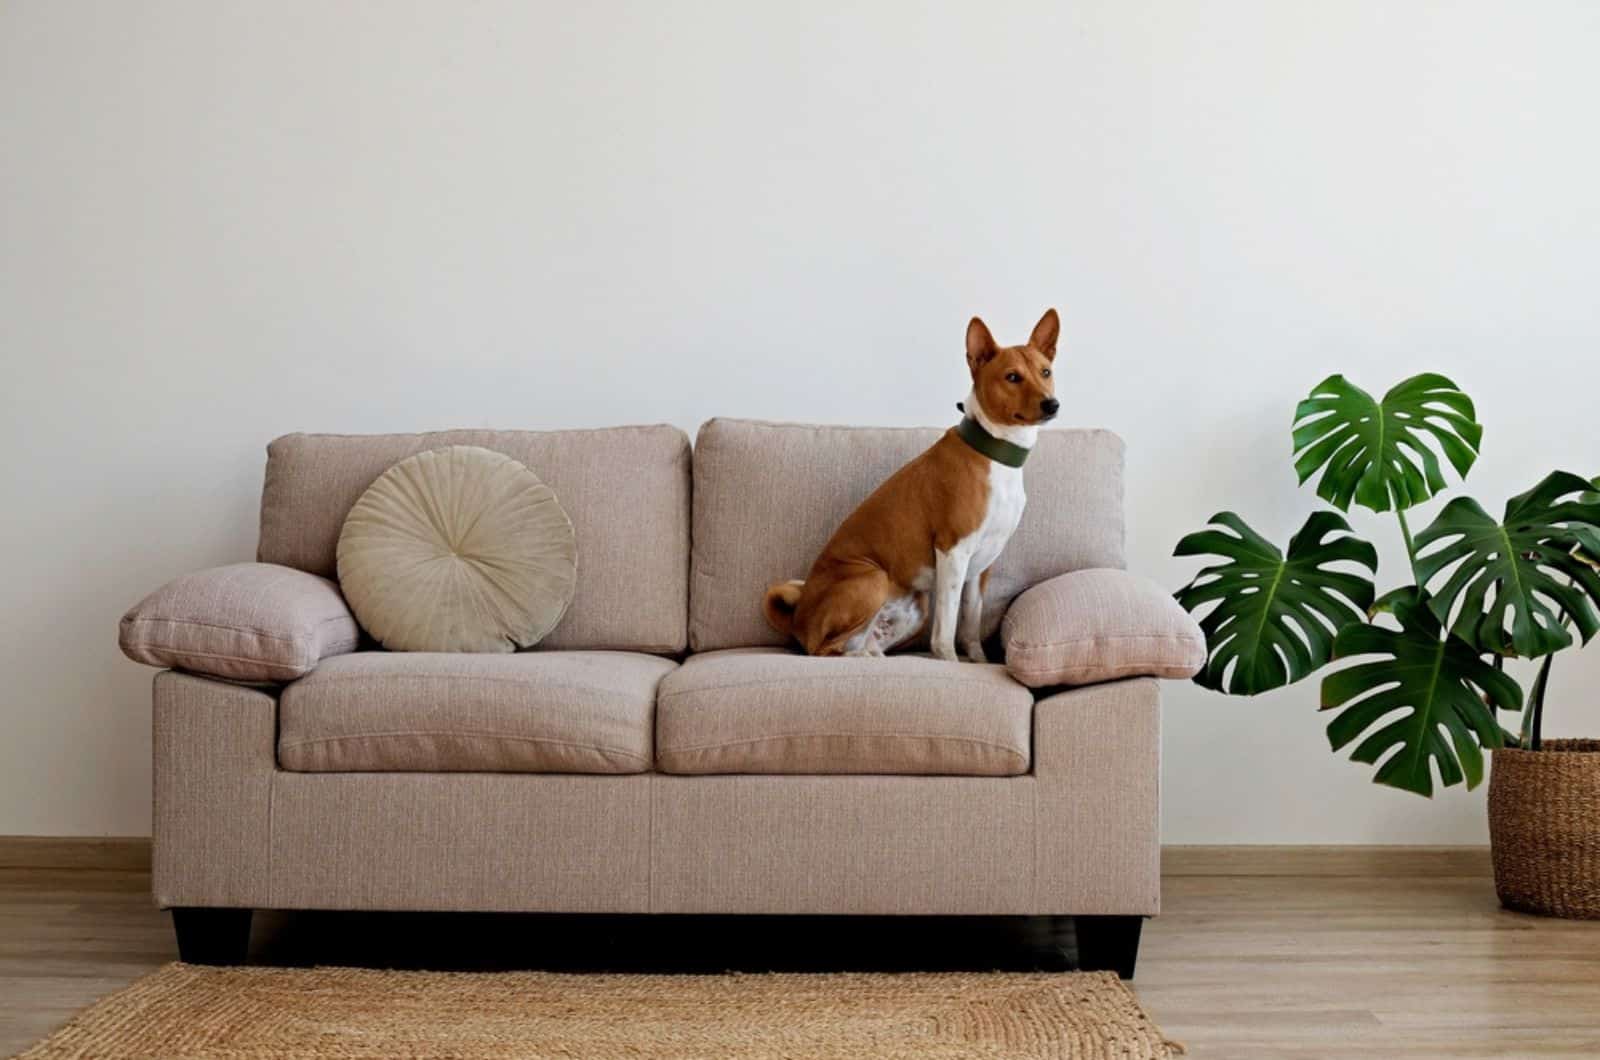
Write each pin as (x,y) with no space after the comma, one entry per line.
(767,496)
(626,490)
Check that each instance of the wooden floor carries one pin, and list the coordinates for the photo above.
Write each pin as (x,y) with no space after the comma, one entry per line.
(1275,953)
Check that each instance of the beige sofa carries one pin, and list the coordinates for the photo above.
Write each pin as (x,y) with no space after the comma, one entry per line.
(661,751)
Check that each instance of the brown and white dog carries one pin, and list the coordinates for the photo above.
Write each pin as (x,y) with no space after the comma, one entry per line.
(936,526)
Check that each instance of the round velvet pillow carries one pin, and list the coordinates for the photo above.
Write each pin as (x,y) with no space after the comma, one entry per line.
(458,549)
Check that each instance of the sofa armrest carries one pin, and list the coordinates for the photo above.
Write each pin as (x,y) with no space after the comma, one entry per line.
(215,747)
(243,622)
(1099,625)
(1097,764)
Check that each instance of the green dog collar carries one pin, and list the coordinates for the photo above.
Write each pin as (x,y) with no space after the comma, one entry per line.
(1001,452)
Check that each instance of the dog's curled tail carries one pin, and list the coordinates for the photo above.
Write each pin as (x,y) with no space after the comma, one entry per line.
(779,602)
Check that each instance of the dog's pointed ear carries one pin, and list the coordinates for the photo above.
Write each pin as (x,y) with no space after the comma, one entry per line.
(1045,334)
(980,345)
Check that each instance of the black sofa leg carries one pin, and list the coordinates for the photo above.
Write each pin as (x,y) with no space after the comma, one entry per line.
(1108,943)
(212,936)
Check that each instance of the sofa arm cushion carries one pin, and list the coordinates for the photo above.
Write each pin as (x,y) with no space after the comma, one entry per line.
(243,622)
(1099,625)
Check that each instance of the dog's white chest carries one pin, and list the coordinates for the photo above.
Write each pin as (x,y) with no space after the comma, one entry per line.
(1000,518)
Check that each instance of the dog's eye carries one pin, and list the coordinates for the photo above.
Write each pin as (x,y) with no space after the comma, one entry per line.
(1045,373)
(1013,377)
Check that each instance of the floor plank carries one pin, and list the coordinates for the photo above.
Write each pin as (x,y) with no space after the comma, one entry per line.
(1346,966)
(1249,959)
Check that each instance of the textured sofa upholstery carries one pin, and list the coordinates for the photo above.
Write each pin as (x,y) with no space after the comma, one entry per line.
(767,710)
(608,770)
(1090,626)
(243,622)
(422,712)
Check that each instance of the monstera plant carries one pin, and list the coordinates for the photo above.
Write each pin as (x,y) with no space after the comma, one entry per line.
(1421,684)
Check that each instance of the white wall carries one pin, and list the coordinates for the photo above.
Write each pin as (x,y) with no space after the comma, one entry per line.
(224,221)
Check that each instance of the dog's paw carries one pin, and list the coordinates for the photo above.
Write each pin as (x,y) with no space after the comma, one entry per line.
(973,650)
(945,652)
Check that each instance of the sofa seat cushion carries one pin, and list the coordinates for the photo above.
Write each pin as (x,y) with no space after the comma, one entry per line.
(765,710)
(529,712)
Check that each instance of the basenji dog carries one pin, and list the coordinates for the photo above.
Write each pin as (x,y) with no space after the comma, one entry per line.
(934,528)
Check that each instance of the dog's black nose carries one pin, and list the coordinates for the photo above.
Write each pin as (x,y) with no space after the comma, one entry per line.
(1049,406)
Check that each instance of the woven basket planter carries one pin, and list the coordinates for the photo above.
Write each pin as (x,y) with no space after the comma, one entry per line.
(1544,828)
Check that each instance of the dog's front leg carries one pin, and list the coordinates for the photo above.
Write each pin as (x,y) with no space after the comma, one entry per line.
(969,627)
(949,575)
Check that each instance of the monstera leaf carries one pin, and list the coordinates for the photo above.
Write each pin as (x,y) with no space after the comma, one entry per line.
(1275,616)
(1369,450)
(1516,582)
(1589,538)
(1428,698)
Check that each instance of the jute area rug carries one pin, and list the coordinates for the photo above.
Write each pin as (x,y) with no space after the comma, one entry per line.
(253,1013)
